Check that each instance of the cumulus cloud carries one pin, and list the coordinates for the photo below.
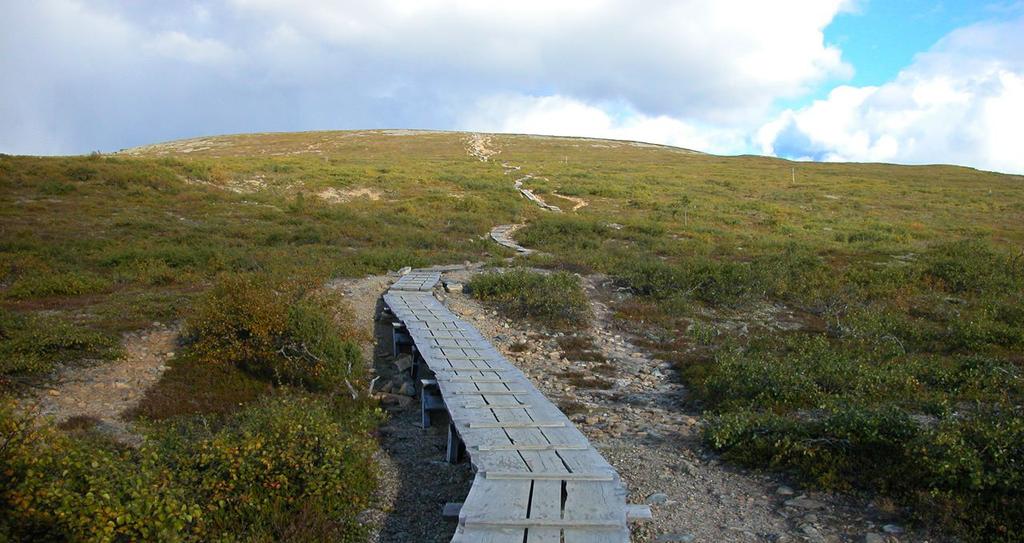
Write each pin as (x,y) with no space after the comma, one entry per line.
(961,102)
(109,74)
(564,116)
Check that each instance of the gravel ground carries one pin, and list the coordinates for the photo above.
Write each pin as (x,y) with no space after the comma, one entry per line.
(102,393)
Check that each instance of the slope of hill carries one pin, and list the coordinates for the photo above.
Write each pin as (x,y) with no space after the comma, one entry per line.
(897,370)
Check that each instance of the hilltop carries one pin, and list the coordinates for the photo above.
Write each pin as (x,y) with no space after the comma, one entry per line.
(856,328)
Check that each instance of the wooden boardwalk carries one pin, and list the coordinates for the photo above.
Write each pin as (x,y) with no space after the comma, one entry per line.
(538,479)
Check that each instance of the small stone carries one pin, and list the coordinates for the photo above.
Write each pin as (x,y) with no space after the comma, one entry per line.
(453,287)
(784,490)
(875,538)
(658,498)
(892,529)
(53,392)
(675,538)
(407,389)
(403,362)
(804,503)
(405,270)
(395,399)
(554,355)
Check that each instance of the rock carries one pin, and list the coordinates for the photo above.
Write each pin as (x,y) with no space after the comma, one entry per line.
(675,538)
(395,399)
(453,287)
(658,498)
(405,270)
(407,389)
(53,392)
(784,490)
(804,503)
(554,355)
(875,538)
(403,362)
(811,532)
(892,529)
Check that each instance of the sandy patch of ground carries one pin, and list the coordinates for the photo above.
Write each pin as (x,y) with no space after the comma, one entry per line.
(102,394)
(577,203)
(337,196)
(479,146)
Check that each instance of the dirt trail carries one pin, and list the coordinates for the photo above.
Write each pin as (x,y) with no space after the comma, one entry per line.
(577,202)
(99,395)
(480,146)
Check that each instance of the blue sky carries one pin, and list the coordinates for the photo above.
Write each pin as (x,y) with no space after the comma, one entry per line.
(880,38)
(897,81)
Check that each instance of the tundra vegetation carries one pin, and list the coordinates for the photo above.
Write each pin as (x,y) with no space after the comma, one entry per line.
(897,370)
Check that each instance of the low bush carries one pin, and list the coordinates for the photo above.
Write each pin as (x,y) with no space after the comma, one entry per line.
(555,299)
(291,467)
(31,344)
(58,284)
(277,330)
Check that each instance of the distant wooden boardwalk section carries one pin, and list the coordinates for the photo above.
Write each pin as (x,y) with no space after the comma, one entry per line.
(538,479)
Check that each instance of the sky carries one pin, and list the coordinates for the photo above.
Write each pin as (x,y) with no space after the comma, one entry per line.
(904,81)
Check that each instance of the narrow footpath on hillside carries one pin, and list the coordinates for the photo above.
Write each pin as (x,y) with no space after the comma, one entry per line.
(482,147)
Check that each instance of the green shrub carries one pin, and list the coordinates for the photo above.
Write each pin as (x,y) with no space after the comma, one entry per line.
(56,488)
(275,330)
(288,467)
(31,344)
(58,284)
(555,299)
(974,266)
(282,459)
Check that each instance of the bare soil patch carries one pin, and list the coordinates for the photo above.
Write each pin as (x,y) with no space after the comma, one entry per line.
(100,395)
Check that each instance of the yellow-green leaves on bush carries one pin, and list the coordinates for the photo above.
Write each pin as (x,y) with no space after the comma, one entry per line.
(275,330)
(293,465)
(555,299)
(54,488)
(240,321)
(30,344)
(284,456)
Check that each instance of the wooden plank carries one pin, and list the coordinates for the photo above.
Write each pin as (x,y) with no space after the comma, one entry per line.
(517,424)
(495,393)
(597,476)
(487,406)
(538,447)
(545,506)
(468,368)
(538,522)
(472,380)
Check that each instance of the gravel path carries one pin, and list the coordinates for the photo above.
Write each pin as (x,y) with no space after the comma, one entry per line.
(99,395)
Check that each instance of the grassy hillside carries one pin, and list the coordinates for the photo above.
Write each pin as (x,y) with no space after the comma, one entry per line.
(900,370)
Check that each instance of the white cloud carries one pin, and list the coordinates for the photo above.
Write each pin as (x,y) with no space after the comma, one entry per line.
(961,102)
(676,57)
(181,46)
(564,116)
